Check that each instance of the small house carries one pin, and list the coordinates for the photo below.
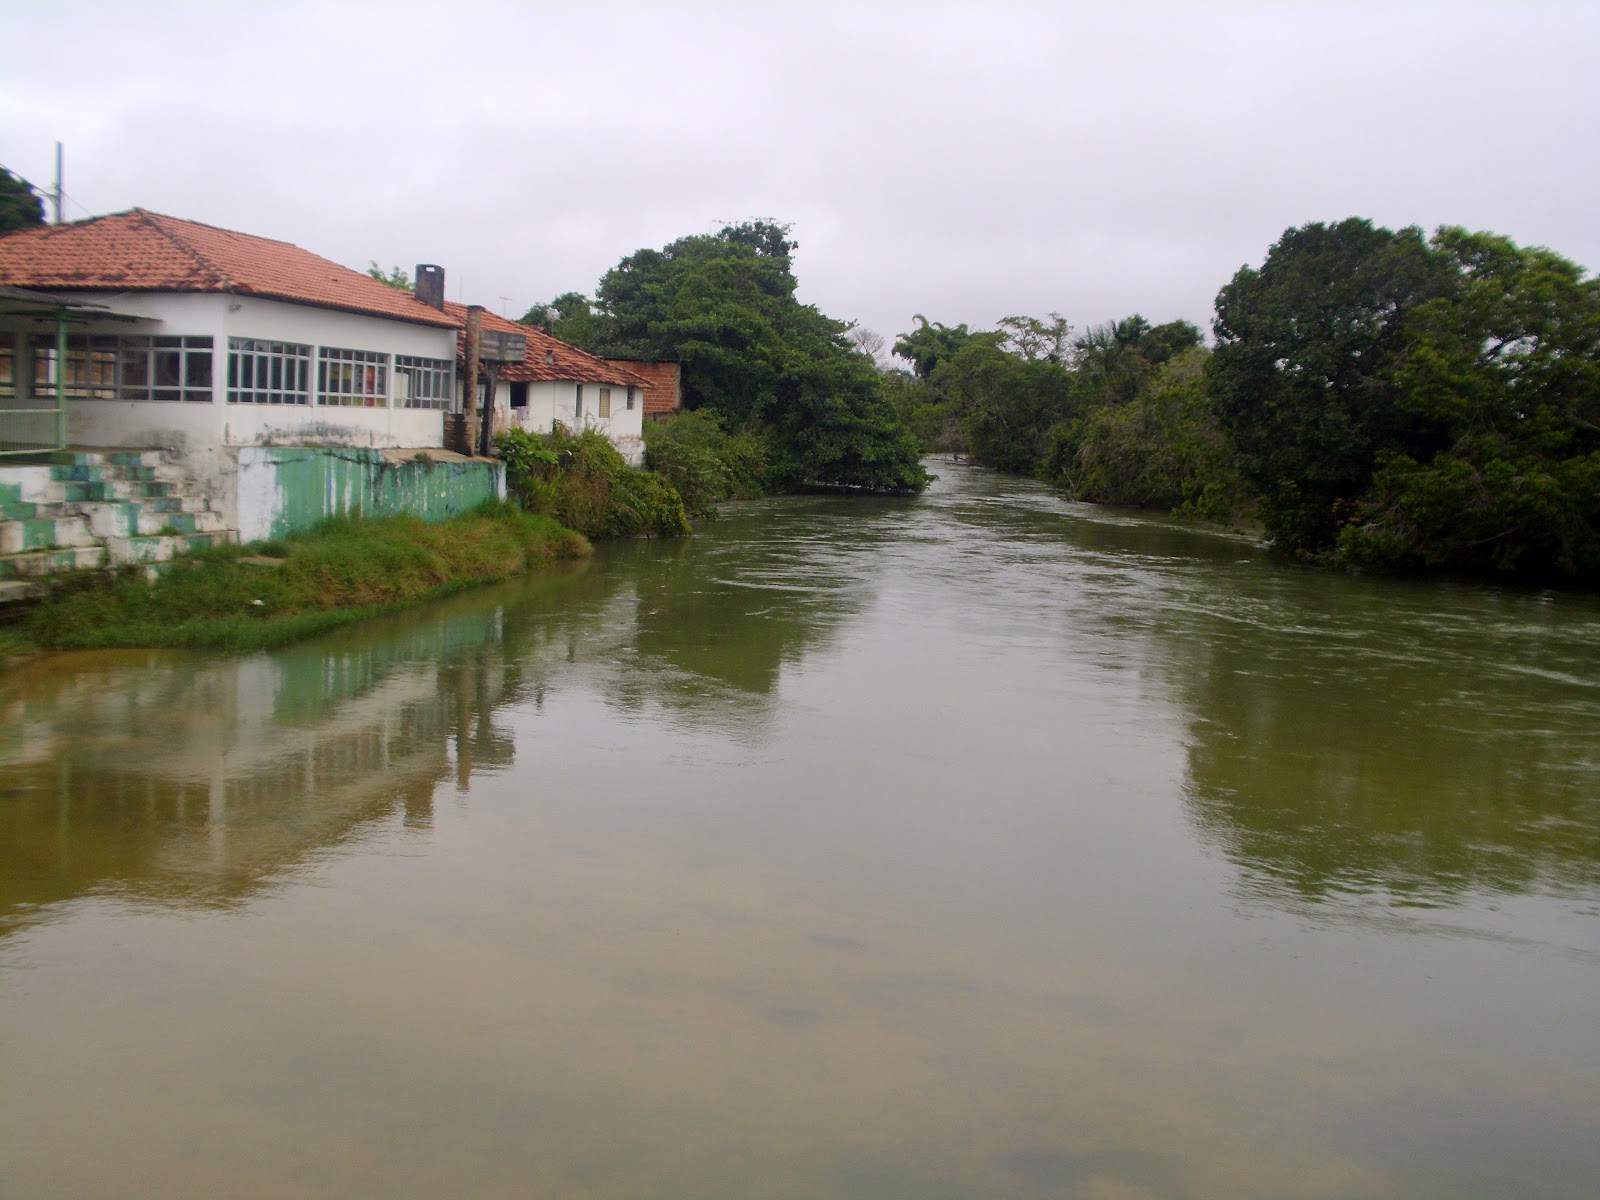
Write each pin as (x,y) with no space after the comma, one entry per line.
(556,383)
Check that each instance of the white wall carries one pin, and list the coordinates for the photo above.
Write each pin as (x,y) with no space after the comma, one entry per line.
(194,428)
(550,402)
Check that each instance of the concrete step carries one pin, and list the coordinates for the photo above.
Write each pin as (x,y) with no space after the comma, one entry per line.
(42,533)
(157,548)
(136,458)
(130,489)
(177,504)
(118,507)
(32,563)
(14,591)
(134,518)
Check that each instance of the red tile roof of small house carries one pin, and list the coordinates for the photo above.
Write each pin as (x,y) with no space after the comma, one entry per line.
(549,359)
(142,251)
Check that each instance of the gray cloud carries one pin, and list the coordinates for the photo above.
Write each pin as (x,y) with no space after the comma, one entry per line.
(961,161)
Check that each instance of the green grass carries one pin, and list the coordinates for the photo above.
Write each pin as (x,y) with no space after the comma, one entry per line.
(340,572)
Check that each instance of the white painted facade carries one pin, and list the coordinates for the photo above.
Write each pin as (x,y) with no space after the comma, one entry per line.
(198,428)
(558,401)
(207,438)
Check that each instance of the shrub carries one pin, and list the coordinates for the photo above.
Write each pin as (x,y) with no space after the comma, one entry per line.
(705,462)
(340,571)
(582,481)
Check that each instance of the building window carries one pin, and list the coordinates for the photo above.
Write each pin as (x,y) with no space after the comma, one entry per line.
(352,377)
(91,367)
(630,399)
(424,382)
(268,372)
(577,404)
(103,367)
(605,402)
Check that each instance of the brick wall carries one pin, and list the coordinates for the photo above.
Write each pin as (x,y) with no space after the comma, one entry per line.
(664,396)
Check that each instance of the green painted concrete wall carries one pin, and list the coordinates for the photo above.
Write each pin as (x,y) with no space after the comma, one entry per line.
(285,489)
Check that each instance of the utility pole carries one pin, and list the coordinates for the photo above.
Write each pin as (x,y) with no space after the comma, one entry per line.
(58,183)
(473,411)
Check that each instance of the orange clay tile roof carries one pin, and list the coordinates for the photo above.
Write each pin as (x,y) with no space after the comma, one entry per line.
(549,359)
(141,251)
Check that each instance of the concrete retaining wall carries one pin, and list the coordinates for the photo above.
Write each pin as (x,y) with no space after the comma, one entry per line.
(284,489)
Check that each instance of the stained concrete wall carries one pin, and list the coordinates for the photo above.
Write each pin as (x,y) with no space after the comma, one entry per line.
(192,429)
(552,402)
(283,489)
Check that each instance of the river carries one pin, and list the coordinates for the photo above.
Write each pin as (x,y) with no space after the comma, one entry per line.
(975,845)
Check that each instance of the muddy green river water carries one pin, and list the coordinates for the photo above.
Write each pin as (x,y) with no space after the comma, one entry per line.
(977,845)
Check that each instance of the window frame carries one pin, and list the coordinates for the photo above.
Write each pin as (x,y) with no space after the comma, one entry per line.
(144,368)
(438,373)
(272,367)
(361,377)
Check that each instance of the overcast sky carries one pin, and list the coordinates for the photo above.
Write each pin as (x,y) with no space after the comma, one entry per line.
(965,161)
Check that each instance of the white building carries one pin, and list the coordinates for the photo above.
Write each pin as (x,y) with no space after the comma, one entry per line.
(204,337)
(558,383)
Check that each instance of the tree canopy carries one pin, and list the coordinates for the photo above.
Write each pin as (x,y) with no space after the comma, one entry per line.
(1417,403)
(20,205)
(1304,374)
(723,306)
(395,277)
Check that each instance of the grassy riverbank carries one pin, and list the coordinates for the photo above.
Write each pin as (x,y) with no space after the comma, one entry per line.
(250,597)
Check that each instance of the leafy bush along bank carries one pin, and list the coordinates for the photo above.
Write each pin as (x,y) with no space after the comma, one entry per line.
(705,462)
(340,572)
(1377,399)
(724,307)
(580,480)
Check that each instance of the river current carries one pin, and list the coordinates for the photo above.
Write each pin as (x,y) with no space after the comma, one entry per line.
(974,845)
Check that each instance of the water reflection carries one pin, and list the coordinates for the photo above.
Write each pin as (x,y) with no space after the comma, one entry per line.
(726,614)
(847,849)
(192,779)
(1393,744)
(1413,741)
(198,778)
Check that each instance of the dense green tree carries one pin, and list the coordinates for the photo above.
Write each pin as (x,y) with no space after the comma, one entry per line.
(1033,338)
(1116,360)
(705,462)
(1501,379)
(570,317)
(1305,373)
(20,206)
(1163,449)
(394,277)
(931,343)
(1419,405)
(724,307)
(1007,405)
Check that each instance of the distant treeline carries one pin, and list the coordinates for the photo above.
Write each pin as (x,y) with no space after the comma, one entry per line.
(1374,399)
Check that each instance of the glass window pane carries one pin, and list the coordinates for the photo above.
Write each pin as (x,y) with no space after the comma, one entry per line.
(168,367)
(135,368)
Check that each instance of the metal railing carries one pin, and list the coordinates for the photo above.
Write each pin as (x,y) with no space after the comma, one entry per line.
(30,430)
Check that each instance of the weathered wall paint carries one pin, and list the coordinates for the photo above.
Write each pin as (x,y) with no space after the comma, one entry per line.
(195,430)
(551,402)
(283,489)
